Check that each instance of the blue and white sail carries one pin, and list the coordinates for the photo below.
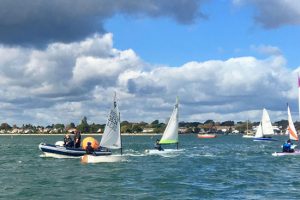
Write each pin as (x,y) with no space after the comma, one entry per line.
(111,137)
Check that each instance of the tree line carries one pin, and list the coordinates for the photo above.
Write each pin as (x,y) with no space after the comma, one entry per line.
(156,126)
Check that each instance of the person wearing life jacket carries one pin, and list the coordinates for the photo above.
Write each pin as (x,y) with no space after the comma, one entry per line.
(77,139)
(68,142)
(89,149)
(158,146)
(287,147)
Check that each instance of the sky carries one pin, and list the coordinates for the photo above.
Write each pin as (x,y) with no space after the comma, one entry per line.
(62,60)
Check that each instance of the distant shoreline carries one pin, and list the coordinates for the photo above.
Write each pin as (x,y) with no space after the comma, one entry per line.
(87,134)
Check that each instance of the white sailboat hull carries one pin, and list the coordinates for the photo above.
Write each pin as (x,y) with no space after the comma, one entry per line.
(100,159)
(264,139)
(165,151)
(248,136)
(54,155)
(296,153)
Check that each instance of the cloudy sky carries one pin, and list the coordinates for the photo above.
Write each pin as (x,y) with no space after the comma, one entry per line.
(61,60)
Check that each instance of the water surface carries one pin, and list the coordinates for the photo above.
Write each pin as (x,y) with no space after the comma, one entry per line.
(228,167)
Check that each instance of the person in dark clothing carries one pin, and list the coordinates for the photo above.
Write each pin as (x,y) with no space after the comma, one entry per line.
(89,149)
(158,146)
(77,139)
(287,147)
(68,142)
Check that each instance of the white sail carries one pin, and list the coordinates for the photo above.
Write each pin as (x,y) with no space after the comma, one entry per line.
(259,133)
(170,135)
(112,137)
(299,94)
(291,128)
(265,127)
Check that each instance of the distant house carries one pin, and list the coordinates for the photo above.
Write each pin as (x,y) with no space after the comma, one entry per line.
(148,130)
(46,130)
(183,130)
(27,131)
(2,131)
(72,130)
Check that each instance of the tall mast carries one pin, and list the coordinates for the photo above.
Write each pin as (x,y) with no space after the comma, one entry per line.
(299,94)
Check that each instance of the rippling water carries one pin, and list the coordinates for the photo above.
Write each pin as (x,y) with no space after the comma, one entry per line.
(228,167)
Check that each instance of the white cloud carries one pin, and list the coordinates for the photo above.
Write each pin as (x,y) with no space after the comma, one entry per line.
(266,50)
(64,82)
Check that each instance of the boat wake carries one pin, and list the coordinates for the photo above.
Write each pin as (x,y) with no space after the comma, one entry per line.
(165,153)
(201,155)
(52,155)
(102,159)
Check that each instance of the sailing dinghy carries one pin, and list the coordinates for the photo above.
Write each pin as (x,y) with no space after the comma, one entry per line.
(111,138)
(265,129)
(170,135)
(292,136)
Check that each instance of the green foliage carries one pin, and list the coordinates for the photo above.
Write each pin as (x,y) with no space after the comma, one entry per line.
(59,126)
(155,122)
(5,126)
(227,123)
(136,128)
(95,127)
(209,122)
(126,129)
(84,126)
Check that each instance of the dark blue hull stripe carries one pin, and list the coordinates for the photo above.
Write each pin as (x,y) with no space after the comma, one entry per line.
(264,139)
(48,148)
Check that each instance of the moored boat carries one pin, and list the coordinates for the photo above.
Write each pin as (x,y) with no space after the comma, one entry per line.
(200,135)
(248,136)
(265,129)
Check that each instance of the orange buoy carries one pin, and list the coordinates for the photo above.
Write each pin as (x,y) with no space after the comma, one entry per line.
(93,141)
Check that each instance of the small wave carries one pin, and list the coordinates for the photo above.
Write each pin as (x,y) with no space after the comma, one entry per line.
(134,155)
(201,155)
(165,153)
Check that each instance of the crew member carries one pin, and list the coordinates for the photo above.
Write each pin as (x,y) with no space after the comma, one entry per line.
(287,147)
(77,139)
(89,149)
(68,142)
(158,146)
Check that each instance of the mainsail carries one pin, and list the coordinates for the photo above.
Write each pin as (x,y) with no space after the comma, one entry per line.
(170,135)
(291,128)
(112,137)
(299,94)
(259,133)
(265,127)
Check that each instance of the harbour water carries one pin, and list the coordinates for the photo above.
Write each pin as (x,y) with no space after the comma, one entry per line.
(227,167)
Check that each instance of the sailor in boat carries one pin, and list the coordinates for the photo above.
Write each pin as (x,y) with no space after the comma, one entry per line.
(288,147)
(158,146)
(89,149)
(77,139)
(68,142)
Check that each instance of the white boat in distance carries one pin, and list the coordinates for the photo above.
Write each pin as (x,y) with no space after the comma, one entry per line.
(265,128)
